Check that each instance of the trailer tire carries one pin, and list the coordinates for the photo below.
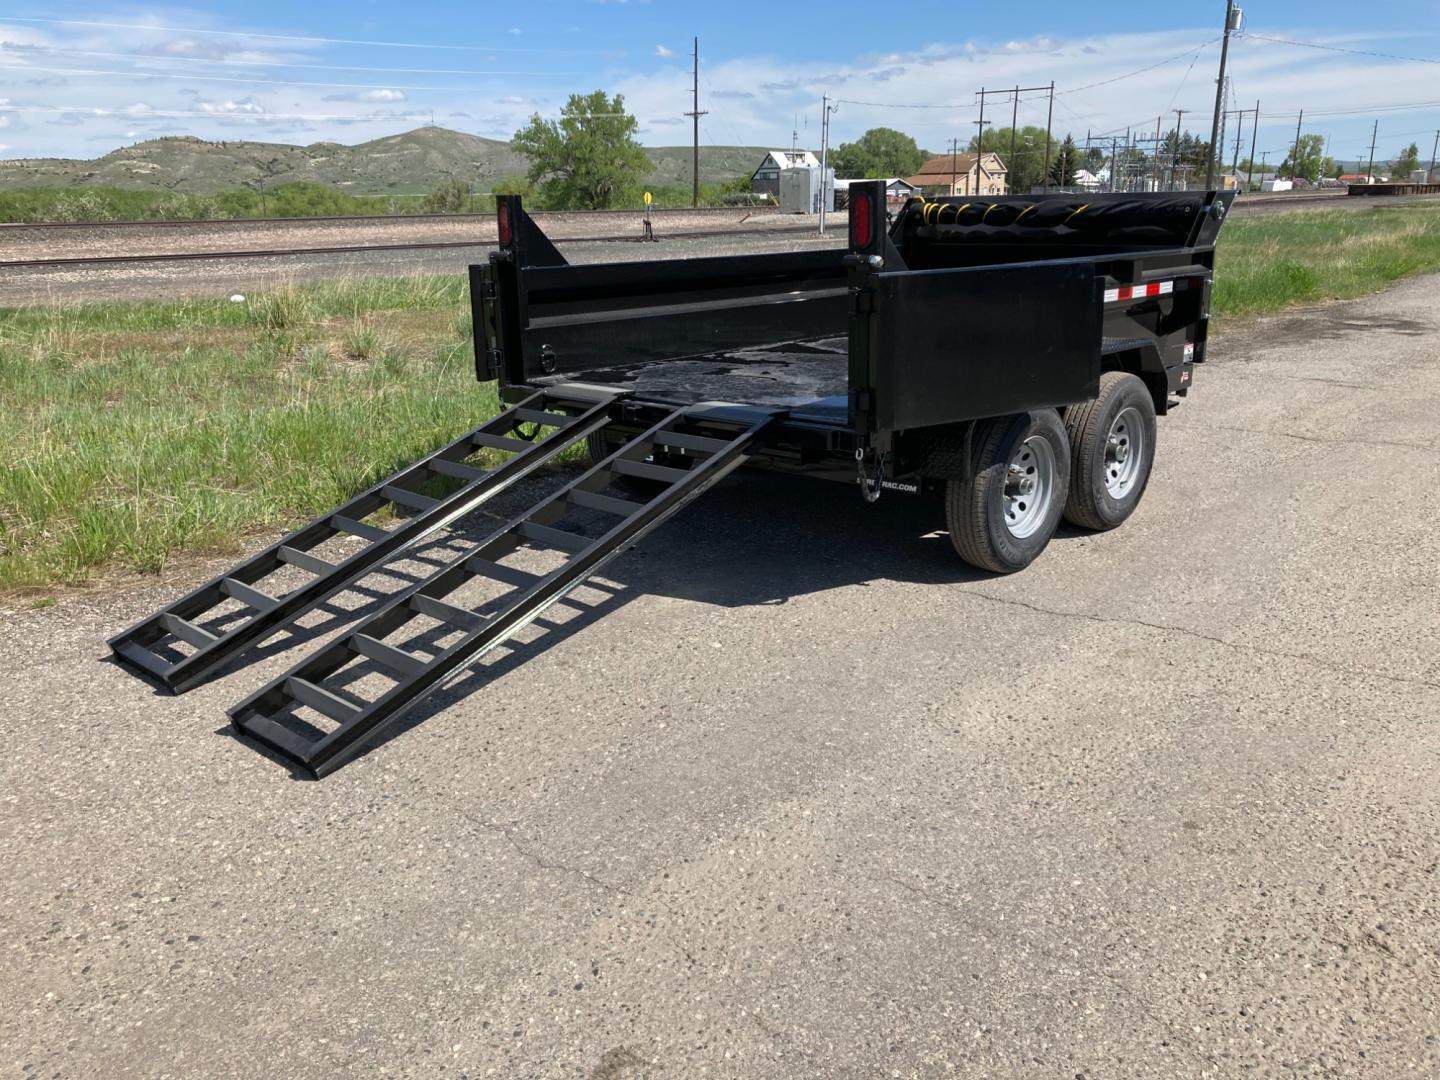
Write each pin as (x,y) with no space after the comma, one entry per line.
(1002,514)
(1112,447)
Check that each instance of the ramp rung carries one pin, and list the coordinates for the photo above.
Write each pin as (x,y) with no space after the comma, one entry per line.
(555,538)
(248,594)
(321,700)
(608,503)
(625,467)
(373,547)
(187,631)
(395,659)
(498,442)
(510,575)
(679,439)
(358,528)
(142,658)
(304,560)
(267,731)
(446,613)
(456,469)
(405,497)
(482,632)
(538,416)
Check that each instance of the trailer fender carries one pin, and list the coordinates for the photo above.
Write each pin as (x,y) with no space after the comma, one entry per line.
(1143,358)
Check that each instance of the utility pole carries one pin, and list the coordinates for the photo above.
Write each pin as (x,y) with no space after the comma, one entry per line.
(1370,172)
(1014,96)
(1230,22)
(1155,172)
(695,114)
(953,170)
(979,144)
(1254,132)
(1014,119)
(1295,156)
(979,155)
(1175,163)
(825,110)
(1239,136)
(1433,148)
(1049,117)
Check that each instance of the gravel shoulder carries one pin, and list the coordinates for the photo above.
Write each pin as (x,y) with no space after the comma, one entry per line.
(790,793)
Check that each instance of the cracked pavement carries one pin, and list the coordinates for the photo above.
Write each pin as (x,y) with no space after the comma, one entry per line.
(794,794)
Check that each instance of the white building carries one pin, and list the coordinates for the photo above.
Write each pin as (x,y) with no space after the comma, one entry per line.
(767,177)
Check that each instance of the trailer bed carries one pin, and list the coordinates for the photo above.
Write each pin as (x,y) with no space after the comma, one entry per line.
(808,378)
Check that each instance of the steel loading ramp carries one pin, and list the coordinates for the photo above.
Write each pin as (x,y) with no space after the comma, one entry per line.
(315,717)
(187,641)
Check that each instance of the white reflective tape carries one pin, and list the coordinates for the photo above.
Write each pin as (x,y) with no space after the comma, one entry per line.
(1139,292)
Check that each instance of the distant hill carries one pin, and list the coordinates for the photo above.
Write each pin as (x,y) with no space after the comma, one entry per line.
(408,164)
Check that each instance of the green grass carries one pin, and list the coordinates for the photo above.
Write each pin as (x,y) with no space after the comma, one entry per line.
(1268,263)
(132,432)
(129,433)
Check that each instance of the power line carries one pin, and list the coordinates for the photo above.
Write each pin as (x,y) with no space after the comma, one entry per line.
(1341,49)
(232,79)
(141,113)
(898,104)
(1141,71)
(138,56)
(291,37)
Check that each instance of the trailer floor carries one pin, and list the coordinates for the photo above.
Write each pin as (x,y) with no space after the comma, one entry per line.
(808,377)
(800,797)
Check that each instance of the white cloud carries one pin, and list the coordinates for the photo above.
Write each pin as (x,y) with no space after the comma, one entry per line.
(516,31)
(662,51)
(246,106)
(369,96)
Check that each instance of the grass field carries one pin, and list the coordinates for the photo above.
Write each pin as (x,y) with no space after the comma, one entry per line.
(133,432)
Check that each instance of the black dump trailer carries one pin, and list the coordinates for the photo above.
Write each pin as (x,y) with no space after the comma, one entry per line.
(1009,355)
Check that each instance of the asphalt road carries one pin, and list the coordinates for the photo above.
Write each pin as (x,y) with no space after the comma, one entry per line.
(799,796)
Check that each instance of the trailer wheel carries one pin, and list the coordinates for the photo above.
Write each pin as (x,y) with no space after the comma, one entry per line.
(1004,513)
(1112,445)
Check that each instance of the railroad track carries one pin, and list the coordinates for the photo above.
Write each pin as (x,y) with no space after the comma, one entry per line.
(393,219)
(367,249)
(1252,205)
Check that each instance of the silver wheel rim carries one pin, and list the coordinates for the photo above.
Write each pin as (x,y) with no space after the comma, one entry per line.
(1029,486)
(1124,452)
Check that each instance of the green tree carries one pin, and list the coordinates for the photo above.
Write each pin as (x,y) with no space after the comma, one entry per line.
(588,159)
(451,197)
(1066,164)
(1405,162)
(880,154)
(1027,170)
(1309,160)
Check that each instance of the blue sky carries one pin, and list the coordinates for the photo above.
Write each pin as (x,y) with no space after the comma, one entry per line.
(354,71)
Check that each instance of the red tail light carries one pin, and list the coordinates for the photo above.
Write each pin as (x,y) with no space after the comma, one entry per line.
(862,223)
(503,219)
